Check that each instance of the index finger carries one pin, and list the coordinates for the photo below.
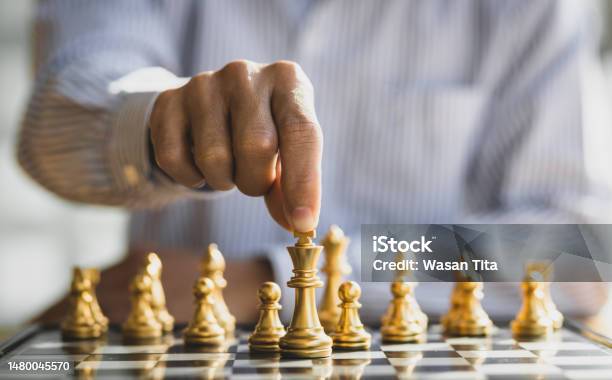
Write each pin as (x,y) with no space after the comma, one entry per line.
(300,145)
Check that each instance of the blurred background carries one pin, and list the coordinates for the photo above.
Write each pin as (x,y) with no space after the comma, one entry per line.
(41,236)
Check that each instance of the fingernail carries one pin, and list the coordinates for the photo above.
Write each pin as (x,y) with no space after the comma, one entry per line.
(302,219)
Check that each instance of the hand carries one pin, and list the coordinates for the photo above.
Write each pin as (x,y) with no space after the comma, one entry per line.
(247,125)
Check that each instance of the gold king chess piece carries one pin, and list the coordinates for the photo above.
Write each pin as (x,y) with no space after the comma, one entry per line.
(142,322)
(204,328)
(469,318)
(81,320)
(532,319)
(269,328)
(334,250)
(153,268)
(350,333)
(404,321)
(305,337)
(213,267)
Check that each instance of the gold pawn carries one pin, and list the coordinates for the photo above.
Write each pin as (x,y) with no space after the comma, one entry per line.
(204,328)
(305,337)
(470,318)
(551,309)
(80,321)
(350,333)
(404,320)
(141,322)
(213,267)
(421,316)
(334,248)
(269,328)
(153,268)
(94,277)
(542,271)
(455,307)
(532,319)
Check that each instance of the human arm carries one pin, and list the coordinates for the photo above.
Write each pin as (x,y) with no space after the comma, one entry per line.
(85,135)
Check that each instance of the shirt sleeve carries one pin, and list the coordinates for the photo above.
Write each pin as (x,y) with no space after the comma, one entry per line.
(100,66)
(531,163)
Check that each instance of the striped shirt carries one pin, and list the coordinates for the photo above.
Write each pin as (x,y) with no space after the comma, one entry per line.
(433,112)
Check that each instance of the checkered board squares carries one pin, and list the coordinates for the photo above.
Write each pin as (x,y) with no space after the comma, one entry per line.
(566,356)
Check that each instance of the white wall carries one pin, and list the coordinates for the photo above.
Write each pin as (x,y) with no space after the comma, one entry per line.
(41,237)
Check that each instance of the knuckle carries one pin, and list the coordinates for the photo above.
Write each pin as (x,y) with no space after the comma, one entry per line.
(214,159)
(236,70)
(167,159)
(290,73)
(252,188)
(286,67)
(195,85)
(258,145)
(163,101)
(200,80)
(237,77)
(166,97)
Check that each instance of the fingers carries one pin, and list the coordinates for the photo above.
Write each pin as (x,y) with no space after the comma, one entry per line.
(212,148)
(254,136)
(300,143)
(170,138)
(237,126)
(275,200)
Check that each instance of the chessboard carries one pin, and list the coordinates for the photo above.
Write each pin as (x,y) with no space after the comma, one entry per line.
(568,354)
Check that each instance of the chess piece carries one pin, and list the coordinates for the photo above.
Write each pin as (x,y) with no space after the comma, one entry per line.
(456,297)
(94,277)
(335,267)
(80,321)
(404,321)
(541,271)
(532,319)
(213,266)
(414,305)
(404,275)
(305,337)
(153,268)
(551,309)
(470,319)
(269,328)
(141,322)
(350,333)
(204,328)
